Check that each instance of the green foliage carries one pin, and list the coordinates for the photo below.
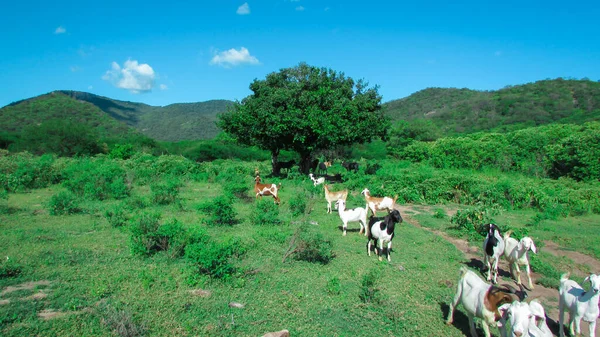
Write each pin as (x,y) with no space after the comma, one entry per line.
(23,171)
(334,286)
(298,204)
(456,111)
(369,292)
(312,246)
(576,156)
(96,179)
(116,216)
(9,268)
(149,236)
(306,109)
(213,258)
(63,203)
(165,192)
(220,211)
(3,203)
(472,220)
(122,151)
(265,212)
(146,168)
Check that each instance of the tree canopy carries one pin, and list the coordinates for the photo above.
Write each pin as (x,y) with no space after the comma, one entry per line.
(306,109)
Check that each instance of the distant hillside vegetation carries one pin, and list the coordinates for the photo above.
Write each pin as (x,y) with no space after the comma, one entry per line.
(57,106)
(175,122)
(457,111)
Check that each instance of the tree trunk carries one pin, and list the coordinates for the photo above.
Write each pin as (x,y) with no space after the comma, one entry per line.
(305,163)
(275,162)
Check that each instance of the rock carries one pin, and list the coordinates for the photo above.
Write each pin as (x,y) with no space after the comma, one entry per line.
(282,333)
(236,305)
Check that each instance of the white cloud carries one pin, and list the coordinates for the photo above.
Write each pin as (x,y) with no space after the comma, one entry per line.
(299,8)
(132,76)
(163,87)
(75,68)
(60,30)
(234,57)
(243,9)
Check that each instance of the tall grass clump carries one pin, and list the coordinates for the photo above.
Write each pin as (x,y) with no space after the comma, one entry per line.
(298,203)
(220,211)
(369,292)
(97,179)
(64,203)
(9,268)
(116,215)
(3,201)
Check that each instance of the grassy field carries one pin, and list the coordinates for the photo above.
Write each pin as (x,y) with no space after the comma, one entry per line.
(79,277)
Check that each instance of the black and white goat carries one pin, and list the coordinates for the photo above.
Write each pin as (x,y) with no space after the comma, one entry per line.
(493,248)
(382,230)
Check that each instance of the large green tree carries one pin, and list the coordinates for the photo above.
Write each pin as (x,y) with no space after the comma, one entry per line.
(306,109)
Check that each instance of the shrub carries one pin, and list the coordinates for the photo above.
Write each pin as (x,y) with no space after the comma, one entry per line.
(64,202)
(220,211)
(310,245)
(122,151)
(266,213)
(165,193)
(471,220)
(214,258)
(9,268)
(116,216)
(96,179)
(369,293)
(298,204)
(334,286)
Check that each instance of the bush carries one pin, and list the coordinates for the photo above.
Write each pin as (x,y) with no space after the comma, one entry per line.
(64,202)
(369,293)
(266,213)
(149,236)
(96,179)
(298,204)
(165,193)
(471,220)
(220,211)
(214,258)
(116,216)
(9,268)
(311,246)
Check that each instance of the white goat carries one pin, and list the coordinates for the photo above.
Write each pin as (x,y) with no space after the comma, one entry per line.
(493,248)
(480,299)
(317,181)
(334,196)
(526,319)
(382,230)
(515,253)
(377,204)
(352,215)
(579,303)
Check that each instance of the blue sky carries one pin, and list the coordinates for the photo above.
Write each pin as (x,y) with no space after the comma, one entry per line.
(173,52)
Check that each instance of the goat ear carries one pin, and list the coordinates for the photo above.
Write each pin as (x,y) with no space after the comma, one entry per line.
(503,309)
(533,248)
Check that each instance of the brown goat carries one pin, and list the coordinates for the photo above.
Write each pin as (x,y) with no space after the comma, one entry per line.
(266,189)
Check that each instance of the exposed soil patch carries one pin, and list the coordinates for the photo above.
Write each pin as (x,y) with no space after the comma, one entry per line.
(547,296)
(37,296)
(556,250)
(49,314)
(200,292)
(25,286)
(3,302)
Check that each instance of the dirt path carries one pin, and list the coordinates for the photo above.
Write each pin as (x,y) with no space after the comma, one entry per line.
(547,296)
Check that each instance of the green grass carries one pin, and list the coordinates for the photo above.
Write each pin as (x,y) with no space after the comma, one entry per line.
(90,268)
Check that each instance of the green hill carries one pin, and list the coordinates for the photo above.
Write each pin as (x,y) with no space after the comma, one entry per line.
(57,106)
(457,111)
(175,122)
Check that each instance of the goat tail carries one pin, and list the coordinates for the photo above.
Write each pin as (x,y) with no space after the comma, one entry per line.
(507,234)
(565,276)
(395,198)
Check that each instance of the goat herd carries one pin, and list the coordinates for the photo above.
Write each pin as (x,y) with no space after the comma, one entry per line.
(495,305)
